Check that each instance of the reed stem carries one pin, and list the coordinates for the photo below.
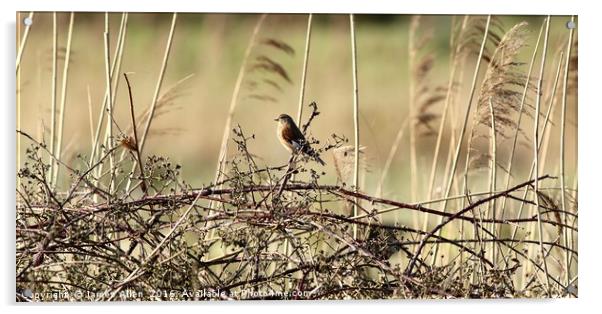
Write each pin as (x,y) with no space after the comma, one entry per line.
(356,122)
(492,181)
(562,150)
(153,104)
(536,153)
(23,40)
(304,71)
(65,77)
(51,161)
(454,166)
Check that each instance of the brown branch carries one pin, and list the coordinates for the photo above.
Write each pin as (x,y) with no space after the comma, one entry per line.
(206,193)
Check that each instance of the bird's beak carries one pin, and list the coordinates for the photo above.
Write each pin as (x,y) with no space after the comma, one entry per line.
(276,119)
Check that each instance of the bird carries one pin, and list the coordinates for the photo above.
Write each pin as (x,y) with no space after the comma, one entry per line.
(293,140)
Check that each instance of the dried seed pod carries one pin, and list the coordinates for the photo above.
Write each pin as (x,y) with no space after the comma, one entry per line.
(129,143)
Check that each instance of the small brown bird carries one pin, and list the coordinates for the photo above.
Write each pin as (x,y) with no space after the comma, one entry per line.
(293,140)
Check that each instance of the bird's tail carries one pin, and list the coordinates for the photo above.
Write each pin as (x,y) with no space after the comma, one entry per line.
(312,153)
(319,160)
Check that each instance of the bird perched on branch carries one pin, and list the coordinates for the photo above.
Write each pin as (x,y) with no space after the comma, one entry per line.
(293,140)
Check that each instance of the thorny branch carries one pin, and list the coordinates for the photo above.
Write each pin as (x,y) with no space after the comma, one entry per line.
(156,237)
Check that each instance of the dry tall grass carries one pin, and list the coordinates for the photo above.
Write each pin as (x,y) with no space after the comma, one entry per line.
(117,220)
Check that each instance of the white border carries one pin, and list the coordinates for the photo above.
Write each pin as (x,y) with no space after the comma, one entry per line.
(318,6)
(589,139)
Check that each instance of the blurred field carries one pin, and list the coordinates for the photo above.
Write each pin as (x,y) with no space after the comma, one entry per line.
(211,47)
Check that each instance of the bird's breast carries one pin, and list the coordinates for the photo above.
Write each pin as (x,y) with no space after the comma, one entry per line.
(279,133)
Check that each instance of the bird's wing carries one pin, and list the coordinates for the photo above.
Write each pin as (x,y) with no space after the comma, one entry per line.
(297,134)
(292,135)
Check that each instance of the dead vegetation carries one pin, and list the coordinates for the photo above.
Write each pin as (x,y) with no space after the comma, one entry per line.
(124,225)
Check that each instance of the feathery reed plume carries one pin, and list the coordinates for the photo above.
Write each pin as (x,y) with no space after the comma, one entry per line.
(552,209)
(61,54)
(272,83)
(167,100)
(468,38)
(344,163)
(165,104)
(266,74)
(279,44)
(166,132)
(263,98)
(425,117)
(526,88)
(268,65)
(424,95)
(344,158)
(500,87)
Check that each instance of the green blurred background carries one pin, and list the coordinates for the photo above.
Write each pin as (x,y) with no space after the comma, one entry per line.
(211,46)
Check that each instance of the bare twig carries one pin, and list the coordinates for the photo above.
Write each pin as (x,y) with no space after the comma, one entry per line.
(459,213)
(153,104)
(136,146)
